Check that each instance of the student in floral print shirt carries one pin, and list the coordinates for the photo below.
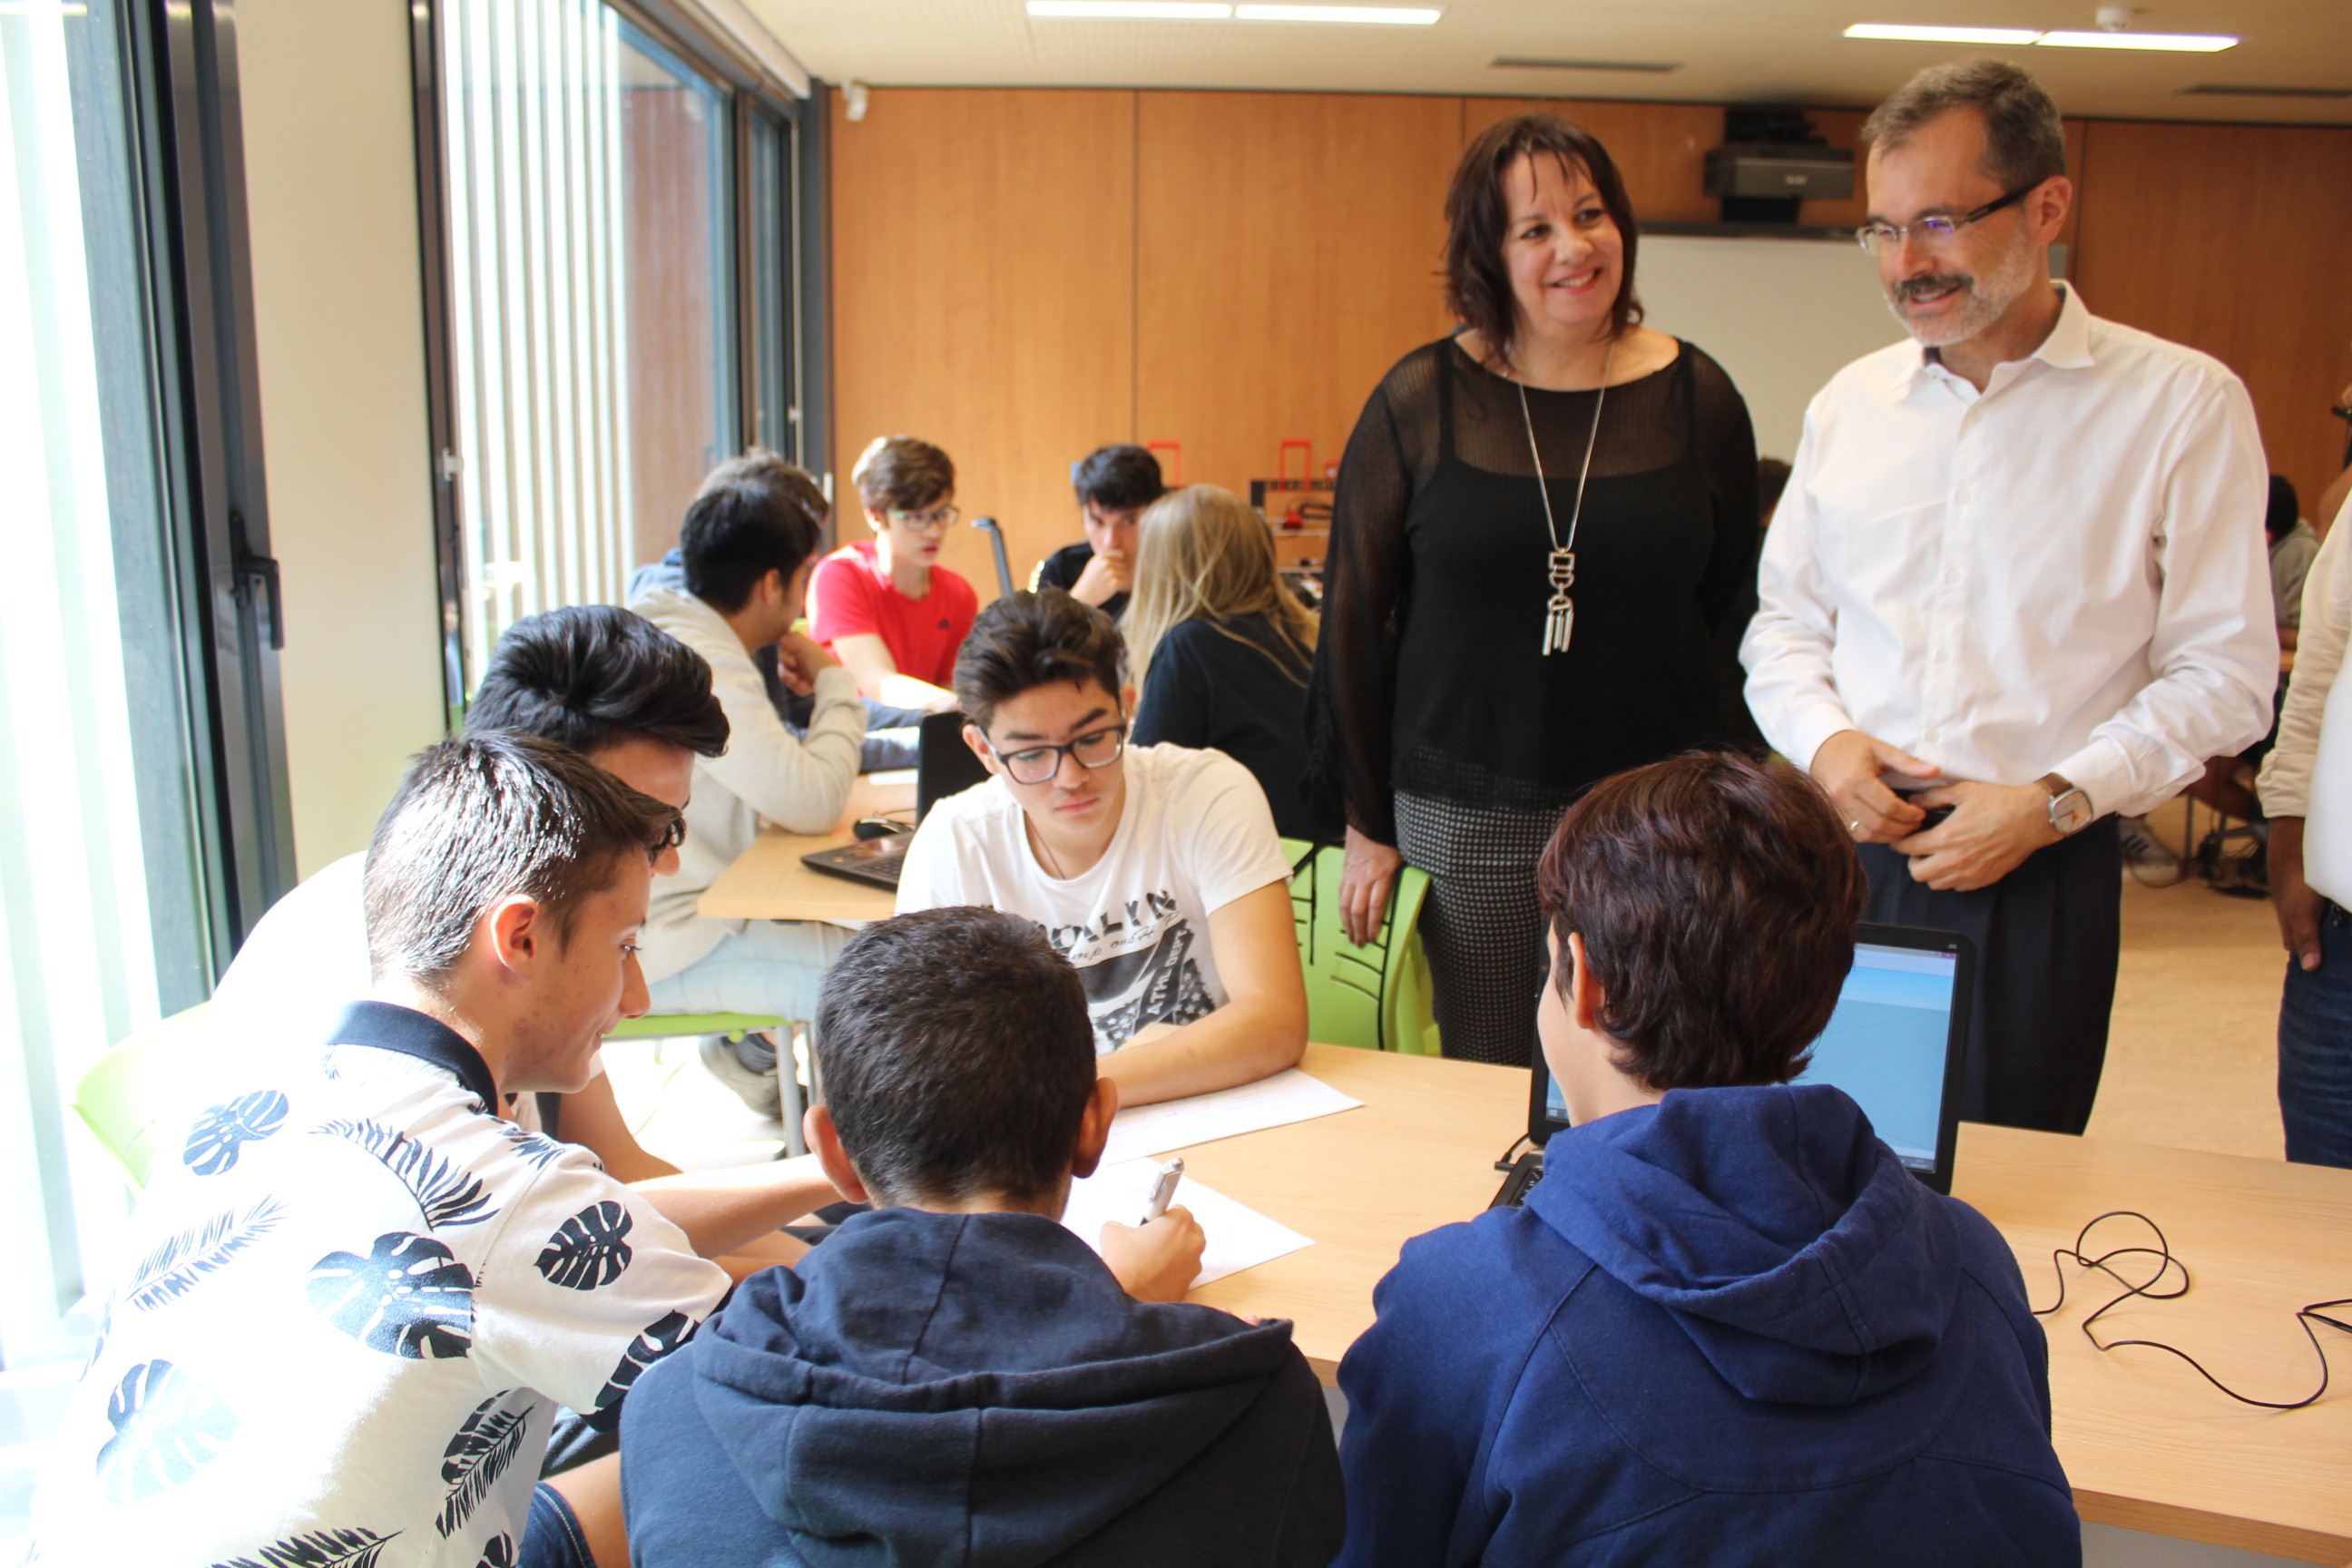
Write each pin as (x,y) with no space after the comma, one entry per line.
(360,1296)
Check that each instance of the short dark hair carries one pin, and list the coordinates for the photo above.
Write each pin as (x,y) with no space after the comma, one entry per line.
(957,1055)
(1717,898)
(2025,142)
(1033,639)
(903,472)
(1118,478)
(754,514)
(2286,507)
(591,676)
(484,817)
(1478,278)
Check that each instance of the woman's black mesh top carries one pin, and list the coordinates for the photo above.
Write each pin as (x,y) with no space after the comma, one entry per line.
(1430,677)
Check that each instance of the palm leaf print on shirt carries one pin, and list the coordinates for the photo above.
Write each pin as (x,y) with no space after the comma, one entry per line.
(168,1425)
(478,1455)
(221,1134)
(446,1194)
(173,1269)
(319,1549)
(539,1149)
(663,1335)
(589,1249)
(409,1296)
(498,1552)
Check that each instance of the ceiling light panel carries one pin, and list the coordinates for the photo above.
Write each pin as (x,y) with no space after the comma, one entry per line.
(1375,16)
(1903,32)
(1525,62)
(1132,10)
(2181,43)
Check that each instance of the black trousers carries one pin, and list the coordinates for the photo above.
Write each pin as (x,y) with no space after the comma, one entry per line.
(2046,937)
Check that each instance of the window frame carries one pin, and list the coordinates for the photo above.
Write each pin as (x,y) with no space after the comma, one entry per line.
(754,92)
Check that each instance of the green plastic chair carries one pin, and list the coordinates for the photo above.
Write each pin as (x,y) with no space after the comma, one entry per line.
(1374,997)
(665,1025)
(127,1093)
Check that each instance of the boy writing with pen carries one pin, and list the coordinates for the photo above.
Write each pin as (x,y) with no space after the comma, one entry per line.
(954,1374)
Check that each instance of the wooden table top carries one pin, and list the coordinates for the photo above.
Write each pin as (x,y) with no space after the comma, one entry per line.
(768,882)
(2147,1444)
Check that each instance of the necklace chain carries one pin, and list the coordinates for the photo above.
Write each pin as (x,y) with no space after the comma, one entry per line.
(1559,613)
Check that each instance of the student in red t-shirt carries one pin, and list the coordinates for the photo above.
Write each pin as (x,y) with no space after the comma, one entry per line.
(884,606)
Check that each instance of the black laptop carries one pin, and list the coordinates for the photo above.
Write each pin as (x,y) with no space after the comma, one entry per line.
(944,766)
(1895,1043)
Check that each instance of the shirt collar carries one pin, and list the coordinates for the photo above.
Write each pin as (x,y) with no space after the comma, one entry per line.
(2068,347)
(385,1027)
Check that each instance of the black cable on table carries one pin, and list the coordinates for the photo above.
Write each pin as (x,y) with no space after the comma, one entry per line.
(2151,1288)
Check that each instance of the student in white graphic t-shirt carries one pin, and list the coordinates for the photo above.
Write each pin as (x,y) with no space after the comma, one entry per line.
(1154,869)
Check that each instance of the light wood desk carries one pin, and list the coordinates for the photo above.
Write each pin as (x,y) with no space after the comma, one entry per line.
(2147,1444)
(768,882)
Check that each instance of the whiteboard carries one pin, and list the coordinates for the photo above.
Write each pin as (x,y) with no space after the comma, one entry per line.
(1781,315)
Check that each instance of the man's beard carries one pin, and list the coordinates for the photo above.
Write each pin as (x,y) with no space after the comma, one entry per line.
(1987,298)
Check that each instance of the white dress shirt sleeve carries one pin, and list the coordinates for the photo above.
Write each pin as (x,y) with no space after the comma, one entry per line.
(1791,687)
(2213,655)
(2286,783)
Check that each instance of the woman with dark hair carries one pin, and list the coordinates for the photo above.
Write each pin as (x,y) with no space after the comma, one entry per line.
(1542,558)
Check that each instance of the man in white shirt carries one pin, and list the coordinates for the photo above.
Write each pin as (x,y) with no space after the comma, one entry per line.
(749,543)
(2305,788)
(1154,869)
(361,1294)
(2018,574)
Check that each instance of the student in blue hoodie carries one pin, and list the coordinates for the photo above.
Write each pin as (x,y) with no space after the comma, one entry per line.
(954,1378)
(1727,1327)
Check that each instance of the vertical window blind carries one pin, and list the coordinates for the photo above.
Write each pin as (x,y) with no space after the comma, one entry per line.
(589,294)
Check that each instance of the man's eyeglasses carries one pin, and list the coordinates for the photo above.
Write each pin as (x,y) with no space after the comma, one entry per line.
(936,519)
(673,836)
(1039,765)
(1935,227)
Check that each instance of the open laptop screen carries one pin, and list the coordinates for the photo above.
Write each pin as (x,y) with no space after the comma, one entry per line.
(1894,1043)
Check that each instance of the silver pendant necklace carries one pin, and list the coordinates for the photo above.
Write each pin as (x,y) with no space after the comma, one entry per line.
(1560,614)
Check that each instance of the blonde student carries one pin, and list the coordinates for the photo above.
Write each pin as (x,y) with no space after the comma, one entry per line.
(1221,647)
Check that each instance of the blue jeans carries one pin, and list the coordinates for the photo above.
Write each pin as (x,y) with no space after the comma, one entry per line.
(769,966)
(2314,1048)
(551,1539)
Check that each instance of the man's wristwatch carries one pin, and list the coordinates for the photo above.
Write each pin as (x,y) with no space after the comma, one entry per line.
(2070,808)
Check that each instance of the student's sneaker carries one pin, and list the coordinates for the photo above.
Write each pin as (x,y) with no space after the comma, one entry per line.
(759,1091)
(2141,850)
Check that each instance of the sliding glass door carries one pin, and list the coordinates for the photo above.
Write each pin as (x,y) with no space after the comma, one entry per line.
(141,772)
(612,310)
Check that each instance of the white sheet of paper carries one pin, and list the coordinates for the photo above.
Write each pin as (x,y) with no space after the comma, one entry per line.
(1238,1237)
(1276,1101)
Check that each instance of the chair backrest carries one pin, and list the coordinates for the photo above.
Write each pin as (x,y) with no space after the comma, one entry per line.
(127,1094)
(1376,997)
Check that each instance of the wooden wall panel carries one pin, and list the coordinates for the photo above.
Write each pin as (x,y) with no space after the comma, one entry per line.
(1289,248)
(983,298)
(1660,148)
(2234,239)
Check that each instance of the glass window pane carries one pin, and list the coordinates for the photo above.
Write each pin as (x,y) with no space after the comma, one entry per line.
(591,299)
(104,917)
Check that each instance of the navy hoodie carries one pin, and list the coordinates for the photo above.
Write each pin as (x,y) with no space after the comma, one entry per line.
(1728,1329)
(975,1391)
